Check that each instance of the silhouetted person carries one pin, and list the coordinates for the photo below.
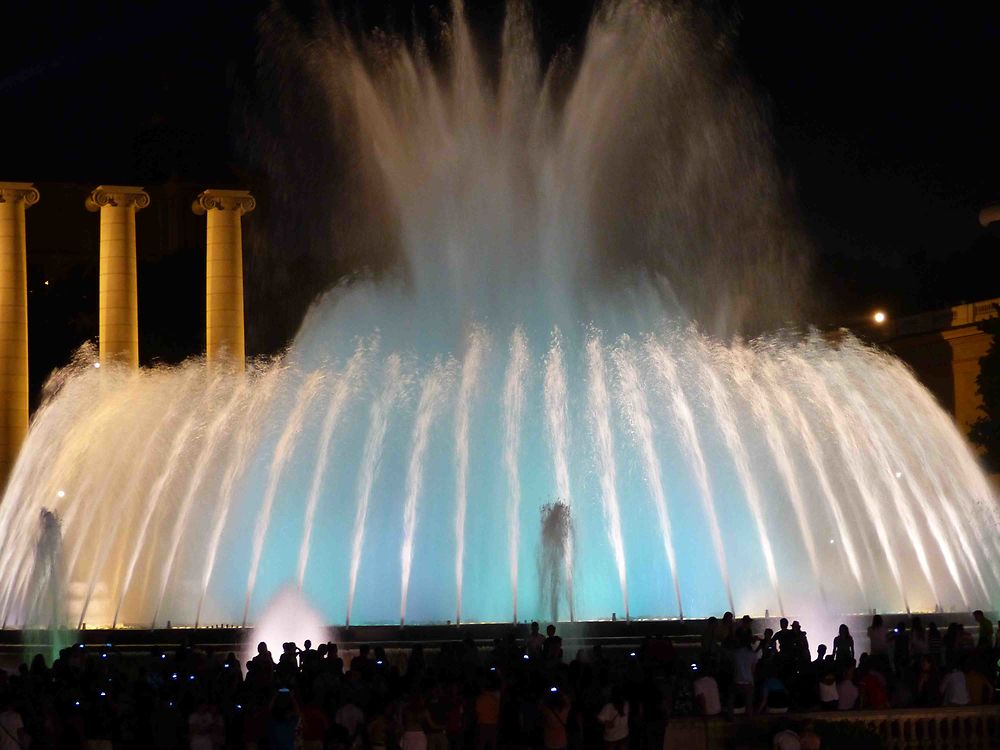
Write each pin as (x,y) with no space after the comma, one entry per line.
(487,712)
(799,645)
(918,639)
(744,664)
(263,665)
(614,719)
(935,644)
(308,657)
(283,722)
(954,688)
(361,663)
(333,660)
(766,645)
(985,640)
(878,637)
(901,647)
(534,644)
(843,647)
(817,664)
(553,645)
(783,639)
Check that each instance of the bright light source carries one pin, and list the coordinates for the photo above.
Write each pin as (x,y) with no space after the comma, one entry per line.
(97,365)
(899,475)
(61,493)
(46,282)
(879,317)
(833,541)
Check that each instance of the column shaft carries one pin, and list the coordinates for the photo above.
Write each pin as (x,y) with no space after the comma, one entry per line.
(224,333)
(118,310)
(14,198)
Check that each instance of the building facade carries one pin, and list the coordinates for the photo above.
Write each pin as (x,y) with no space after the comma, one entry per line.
(944,348)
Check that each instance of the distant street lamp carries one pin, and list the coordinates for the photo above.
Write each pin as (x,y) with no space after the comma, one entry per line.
(879,317)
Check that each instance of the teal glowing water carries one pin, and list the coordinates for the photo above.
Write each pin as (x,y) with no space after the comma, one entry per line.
(568,242)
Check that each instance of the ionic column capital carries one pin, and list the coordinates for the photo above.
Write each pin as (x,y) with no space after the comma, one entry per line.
(224,200)
(11,192)
(990,215)
(117,195)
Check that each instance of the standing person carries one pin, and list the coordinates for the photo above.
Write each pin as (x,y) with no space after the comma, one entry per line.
(351,718)
(263,665)
(455,724)
(335,665)
(415,722)
(487,709)
(847,690)
(985,640)
(727,632)
(361,663)
(843,647)
(555,717)
(765,647)
(925,687)
(935,644)
(535,642)
(744,662)
(954,688)
(711,653)
(745,624)
(201,727)
(283,722)
(553,645)
(315,724)
(979,686)
(901,648)
(12,734)
(614,718)
(918,639)
(800,645)
(878,637)
(377,729)
(784,639)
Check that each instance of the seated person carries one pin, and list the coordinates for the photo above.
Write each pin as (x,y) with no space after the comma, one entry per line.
(706,692)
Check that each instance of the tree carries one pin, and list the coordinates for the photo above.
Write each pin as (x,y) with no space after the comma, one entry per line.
(985,431)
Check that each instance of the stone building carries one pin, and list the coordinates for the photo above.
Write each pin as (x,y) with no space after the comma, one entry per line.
(944,348)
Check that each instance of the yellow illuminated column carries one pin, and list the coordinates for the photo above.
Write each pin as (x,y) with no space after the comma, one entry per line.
(118,318)
(14,198)
(224,274)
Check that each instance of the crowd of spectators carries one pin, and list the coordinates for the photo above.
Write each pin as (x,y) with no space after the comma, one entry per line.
(908,664)
(520,693)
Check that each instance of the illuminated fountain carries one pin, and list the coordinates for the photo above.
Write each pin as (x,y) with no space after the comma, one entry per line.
(578,241)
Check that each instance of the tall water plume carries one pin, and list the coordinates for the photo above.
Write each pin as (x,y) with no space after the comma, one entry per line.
(554,558)
(560,257)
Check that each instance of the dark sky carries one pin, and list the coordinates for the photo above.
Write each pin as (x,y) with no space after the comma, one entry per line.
(885,117)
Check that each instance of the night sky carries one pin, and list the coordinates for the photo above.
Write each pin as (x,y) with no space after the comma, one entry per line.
(885,118)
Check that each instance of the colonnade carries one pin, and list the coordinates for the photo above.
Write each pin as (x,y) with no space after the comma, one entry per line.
(118,313)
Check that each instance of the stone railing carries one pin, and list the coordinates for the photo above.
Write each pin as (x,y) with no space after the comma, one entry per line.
(970,728)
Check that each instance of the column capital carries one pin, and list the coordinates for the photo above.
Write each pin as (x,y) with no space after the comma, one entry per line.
(224,200)
(116,195)
(990,215)
(18,191)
